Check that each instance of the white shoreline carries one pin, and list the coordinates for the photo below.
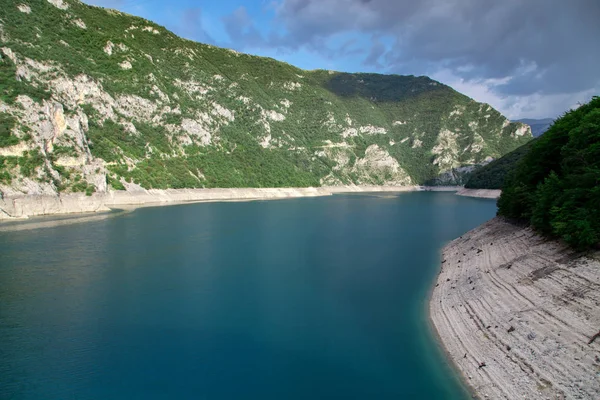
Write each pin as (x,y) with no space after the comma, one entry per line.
(481,193)
(77,207)
(515,312)
(25,206)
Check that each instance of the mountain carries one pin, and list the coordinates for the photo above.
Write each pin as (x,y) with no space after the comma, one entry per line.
(538,126)
(492,175)
(556,185)
(92,99)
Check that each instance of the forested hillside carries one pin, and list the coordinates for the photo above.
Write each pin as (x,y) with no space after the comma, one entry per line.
(556,185)
(492,175)
(94,99)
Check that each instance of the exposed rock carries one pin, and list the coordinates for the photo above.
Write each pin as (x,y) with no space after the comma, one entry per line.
(108,49)
(523,130)
(196,129)
(59,4)
(372,130)
(483,193)
(9,53)
(292,85)
(273,115)
(349,132)
(378,167)
(151,30)
(219,110)
(542,350)
(125,65)
(80,23)
(446,149)
(24,8)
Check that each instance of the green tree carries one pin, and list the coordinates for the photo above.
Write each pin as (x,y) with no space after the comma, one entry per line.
(556,185)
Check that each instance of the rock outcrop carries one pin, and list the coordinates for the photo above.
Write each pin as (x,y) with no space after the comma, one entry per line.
(482,193)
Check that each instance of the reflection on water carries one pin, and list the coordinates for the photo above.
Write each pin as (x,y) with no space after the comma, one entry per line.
(303,298)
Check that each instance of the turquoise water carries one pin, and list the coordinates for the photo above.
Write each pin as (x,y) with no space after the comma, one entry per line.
(321,298)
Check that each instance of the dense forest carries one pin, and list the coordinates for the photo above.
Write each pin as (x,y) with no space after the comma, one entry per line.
(492,175)
(556,185)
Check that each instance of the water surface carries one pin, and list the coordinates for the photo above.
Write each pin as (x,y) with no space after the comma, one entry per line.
(319,298)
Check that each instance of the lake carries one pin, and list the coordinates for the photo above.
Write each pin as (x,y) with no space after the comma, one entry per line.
(311,298)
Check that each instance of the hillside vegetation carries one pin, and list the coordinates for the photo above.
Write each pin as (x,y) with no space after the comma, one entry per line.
(556,185)
(492,175)
(93,99)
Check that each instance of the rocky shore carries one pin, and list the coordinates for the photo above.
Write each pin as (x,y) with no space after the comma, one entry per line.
(483,193)
(24,206)
(519,315)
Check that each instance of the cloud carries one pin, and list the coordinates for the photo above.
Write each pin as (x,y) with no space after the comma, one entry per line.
(532,105)
(377,51)
(509,53)
(191,26)
(538,47)
(496,36)
(241,30)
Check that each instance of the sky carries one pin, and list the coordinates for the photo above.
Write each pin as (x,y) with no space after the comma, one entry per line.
(527,58)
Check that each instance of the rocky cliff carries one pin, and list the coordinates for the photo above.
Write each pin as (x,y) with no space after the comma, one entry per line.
(92,100)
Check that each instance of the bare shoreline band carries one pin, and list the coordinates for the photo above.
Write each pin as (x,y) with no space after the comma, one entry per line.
(517,314)
(18,207)
(24,206)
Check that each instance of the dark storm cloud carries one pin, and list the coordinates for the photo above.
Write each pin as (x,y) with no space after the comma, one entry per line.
(377,51)
(550,46)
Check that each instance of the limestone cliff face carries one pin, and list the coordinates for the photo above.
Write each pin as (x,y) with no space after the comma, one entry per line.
(94,100)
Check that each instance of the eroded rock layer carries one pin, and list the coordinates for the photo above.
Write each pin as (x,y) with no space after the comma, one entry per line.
(517,314)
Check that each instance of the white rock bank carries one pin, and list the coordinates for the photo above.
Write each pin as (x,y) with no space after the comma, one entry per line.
(517,312)
(32,205)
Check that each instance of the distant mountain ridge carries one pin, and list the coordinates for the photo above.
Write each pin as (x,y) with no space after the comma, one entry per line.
(92,99)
